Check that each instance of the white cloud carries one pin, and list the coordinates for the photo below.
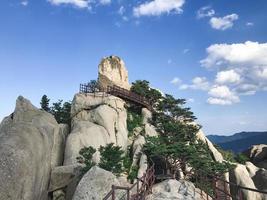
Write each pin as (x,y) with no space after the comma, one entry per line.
(223,23)
(250,24)
(191,100)
(205,11)
(229,76)
(222,95)
(79,3)
(242,67)
(76,3)
(24,3)
(175,81)
(121,10)
(198,83)
(240,54)
(158,7)
(104,2)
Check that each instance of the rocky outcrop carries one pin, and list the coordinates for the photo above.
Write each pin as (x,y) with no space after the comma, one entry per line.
(96,120)
(112,71)
(216,154)
(243,175)
(258,155)
(150,130)
(31,144)
(173,189)
(95,184)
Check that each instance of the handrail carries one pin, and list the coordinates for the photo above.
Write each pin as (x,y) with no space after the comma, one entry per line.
(147,180)
(120,92)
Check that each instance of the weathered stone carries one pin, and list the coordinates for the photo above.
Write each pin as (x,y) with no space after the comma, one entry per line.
(137,149)
(59,195)
(216,154)
(112,71)
(63,175)
(240,176)
(143,166)
(258,155)
(30,146)
(95,184)
(97,121)
(173,189)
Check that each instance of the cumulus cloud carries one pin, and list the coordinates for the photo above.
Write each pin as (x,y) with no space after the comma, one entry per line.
(198,83)
(175,81)
(229,76)
(241,67)
(223,23)
(222,95)
(205,11)
(158,7)
(24,3)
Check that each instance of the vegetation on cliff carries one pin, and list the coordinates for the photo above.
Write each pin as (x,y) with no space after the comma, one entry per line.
(177,143)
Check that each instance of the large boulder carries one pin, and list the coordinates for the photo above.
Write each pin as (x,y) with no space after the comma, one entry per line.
(240,176)
(112,71)
(258,155)
(95,184)
(96,121)
(173,189)
(31,144)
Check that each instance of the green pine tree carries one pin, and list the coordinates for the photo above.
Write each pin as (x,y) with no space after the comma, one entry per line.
(45,103)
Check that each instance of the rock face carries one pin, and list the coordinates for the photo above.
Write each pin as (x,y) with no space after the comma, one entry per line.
(96,120)
(112,71)
(216,154)
(173,189)
(31,144)
(240,176)
(258,155)
(95,184)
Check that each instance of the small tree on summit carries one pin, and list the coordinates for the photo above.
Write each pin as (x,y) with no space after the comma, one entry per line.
(45,103)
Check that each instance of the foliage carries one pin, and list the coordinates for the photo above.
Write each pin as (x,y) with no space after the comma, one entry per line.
(134,120)
(133,173)
(111,158)
(177,143)
(45,103)
(227,155)
(86,155)
(93,86)
(241,158)
(142,88)
(61,111)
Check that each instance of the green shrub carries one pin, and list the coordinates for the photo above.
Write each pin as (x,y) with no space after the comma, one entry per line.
(111,158)
(134,120)
(241,158)
(86,155)
(133,173)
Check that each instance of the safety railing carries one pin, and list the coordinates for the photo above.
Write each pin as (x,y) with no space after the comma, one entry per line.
(119,92)
(138,191)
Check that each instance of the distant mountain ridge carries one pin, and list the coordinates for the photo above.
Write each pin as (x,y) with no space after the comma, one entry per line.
(239,141)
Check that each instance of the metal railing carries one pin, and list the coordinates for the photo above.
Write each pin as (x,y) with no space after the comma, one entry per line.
(143,187)
(118,92)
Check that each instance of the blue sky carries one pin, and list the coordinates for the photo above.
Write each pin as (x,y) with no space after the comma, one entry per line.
(213,53)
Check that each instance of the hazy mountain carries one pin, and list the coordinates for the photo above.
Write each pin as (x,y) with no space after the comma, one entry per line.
(239,141)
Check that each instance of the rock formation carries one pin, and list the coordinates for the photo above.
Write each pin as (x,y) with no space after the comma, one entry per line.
(258,155)
(112,71)
(31,145)
(95,184)
(173,189)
